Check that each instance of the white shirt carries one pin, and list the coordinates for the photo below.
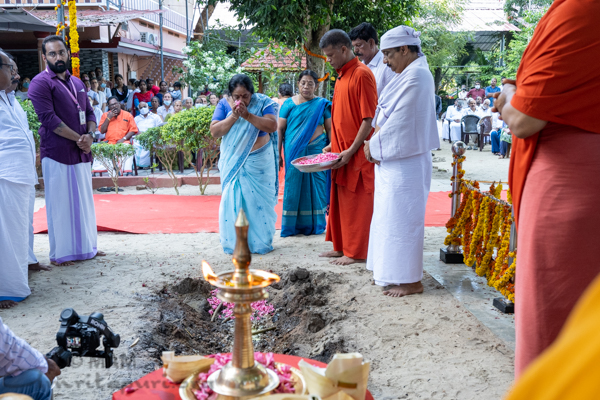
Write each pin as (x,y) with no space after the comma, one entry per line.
(485,113)
(22,95)
(452,113)
(16,355)
(162,111)
(17,146)
(408,125)
(383,73)
(144,123)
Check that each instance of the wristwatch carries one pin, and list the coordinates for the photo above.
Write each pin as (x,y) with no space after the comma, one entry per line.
(92,134)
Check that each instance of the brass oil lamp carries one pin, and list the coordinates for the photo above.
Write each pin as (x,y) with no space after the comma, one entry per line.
(243,376)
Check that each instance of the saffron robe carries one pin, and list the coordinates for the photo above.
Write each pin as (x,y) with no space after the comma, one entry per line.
(351,207)
(555,204)
(569,369)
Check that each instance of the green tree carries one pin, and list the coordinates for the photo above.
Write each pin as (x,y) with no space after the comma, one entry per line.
(441,46)
(516,10)
(519,43)
(298,23)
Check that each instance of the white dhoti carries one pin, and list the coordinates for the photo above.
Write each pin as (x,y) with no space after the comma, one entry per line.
(32,259)
(14,241)
(398,225)
(142,155)
(454,131)
(70,211)
(445,131)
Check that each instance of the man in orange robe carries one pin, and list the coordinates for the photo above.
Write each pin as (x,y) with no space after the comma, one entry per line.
(353,179)
(554,171)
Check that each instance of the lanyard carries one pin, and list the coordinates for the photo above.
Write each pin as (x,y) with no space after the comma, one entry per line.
(71,94)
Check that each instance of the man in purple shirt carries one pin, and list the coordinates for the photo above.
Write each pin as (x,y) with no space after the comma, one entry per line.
(68,125)
(477,91)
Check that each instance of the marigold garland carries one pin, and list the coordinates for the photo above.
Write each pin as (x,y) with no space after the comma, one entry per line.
(482,226)
(310,53)
(74,37)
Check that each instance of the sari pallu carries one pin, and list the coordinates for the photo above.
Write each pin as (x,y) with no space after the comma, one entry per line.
(306,196)
(249,182)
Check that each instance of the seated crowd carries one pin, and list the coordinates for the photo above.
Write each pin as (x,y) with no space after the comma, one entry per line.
(478,102)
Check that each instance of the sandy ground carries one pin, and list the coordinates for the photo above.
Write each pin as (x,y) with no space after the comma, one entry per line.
(427,346)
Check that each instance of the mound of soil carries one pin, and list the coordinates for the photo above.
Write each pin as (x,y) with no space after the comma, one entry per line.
(300,326)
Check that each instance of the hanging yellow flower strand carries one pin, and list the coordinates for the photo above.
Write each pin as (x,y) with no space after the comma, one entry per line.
(74,37)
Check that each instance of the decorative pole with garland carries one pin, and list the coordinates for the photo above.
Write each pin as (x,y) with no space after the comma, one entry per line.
(73,38)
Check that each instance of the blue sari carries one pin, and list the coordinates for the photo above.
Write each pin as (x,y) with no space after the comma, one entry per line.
(249,180)
(306,196)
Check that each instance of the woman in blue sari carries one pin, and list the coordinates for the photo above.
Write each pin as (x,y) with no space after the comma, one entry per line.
(304,129)
(248,164)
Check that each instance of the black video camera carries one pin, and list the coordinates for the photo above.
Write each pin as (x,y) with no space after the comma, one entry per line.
(80,336)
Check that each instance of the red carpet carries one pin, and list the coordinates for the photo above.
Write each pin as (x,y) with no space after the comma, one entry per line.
(155,213)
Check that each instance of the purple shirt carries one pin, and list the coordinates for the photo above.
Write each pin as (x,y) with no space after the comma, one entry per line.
(53,105)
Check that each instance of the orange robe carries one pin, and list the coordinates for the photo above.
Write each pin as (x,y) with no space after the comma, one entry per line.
(353,185)
(553,174)
(119,127)
(569,369)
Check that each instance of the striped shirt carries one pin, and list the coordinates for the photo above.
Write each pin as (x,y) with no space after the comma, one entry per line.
(16,355)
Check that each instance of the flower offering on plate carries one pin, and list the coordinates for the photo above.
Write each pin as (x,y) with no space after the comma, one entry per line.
(316,162)
(196,387)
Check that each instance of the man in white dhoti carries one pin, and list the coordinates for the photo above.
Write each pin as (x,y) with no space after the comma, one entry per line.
(34,264)
(68,125)
(17,179)
(405,133)
(145,121)
(453,117)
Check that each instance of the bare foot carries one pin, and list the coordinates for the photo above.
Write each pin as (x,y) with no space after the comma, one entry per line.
(4,304)
(64,264)
(100,254)
(331,254)
(345,261)
(404,289)
(40,267)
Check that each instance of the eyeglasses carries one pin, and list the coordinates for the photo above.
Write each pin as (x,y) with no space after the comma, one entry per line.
(10,66)
(53,54)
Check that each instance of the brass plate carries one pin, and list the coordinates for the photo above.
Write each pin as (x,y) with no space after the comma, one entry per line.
(190,384)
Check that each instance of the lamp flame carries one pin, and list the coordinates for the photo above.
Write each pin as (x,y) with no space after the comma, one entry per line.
(208,273)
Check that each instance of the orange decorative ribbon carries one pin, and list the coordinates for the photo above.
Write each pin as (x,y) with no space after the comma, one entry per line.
(310,53)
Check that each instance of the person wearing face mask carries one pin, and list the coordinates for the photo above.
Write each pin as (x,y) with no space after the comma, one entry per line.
(485,109)
(453,117)
(105,87)
(144,121)
(199,103)
(476,92)
(22,88)
(99,94)
(167,107)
